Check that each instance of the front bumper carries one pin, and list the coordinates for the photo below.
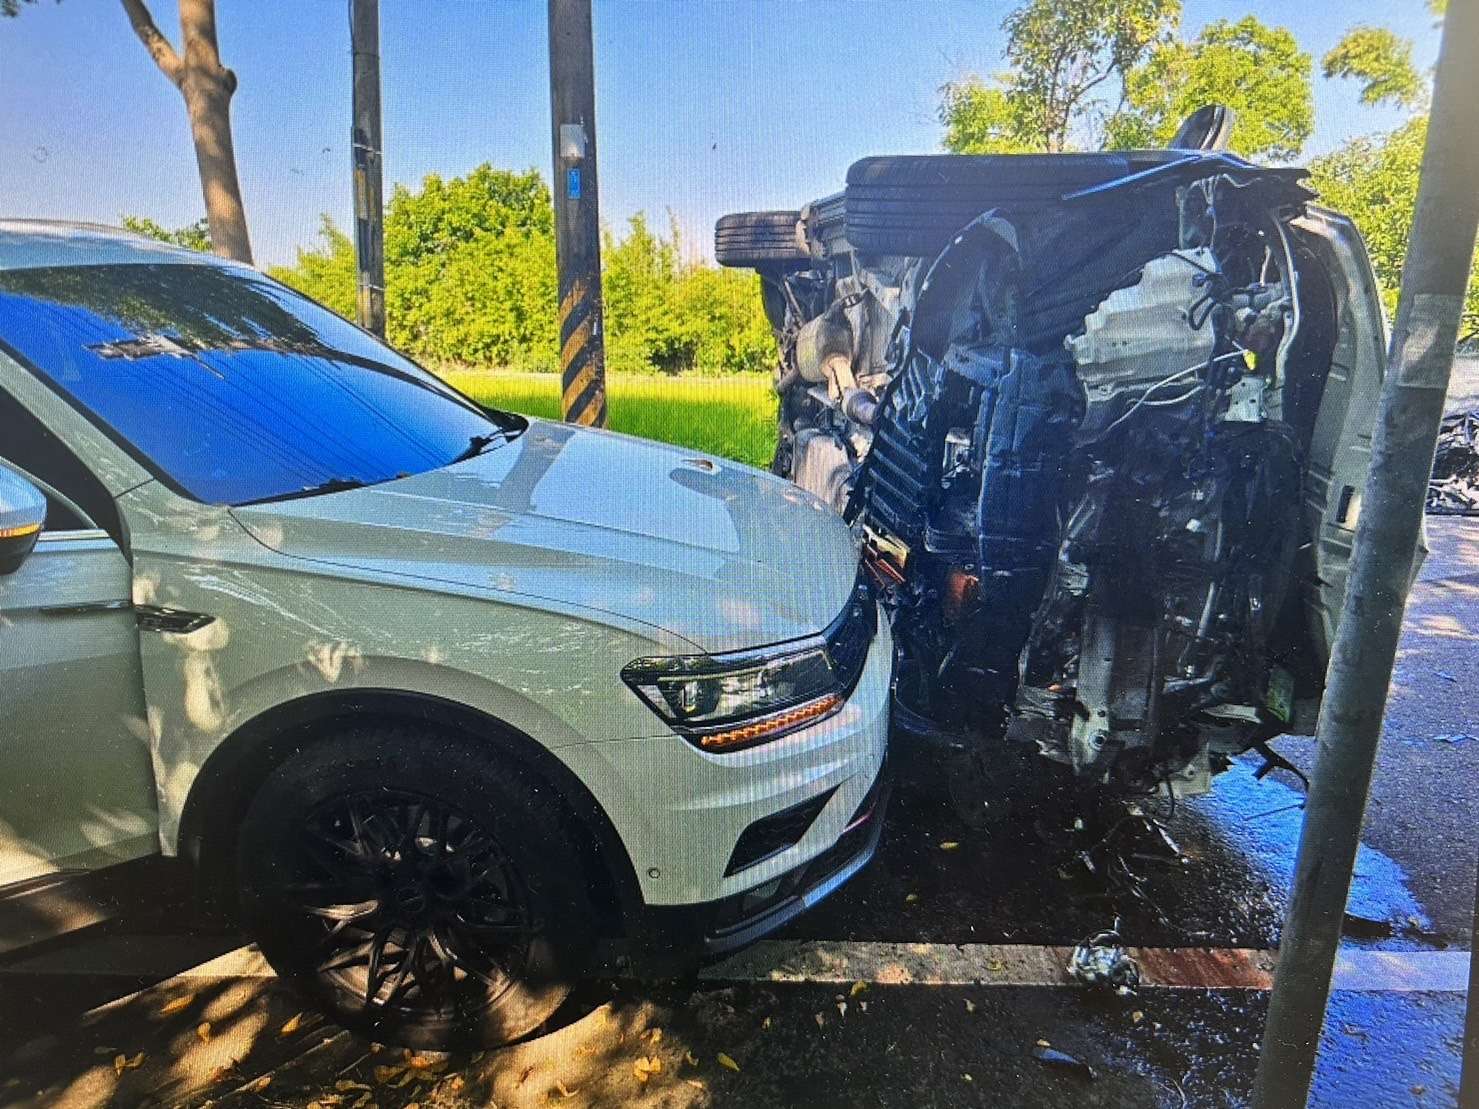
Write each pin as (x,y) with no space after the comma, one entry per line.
(670,940)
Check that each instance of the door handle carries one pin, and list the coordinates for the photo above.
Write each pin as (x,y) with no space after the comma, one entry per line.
(88,609)
(153,618)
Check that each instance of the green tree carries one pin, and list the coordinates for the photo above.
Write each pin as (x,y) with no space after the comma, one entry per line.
(1065,56)
(1382,61)
(193,236)
(1258,71)
(470,269)
(327,274)
(1373,180)
(470,280)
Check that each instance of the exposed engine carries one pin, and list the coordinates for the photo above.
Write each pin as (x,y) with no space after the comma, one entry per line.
(1076,446)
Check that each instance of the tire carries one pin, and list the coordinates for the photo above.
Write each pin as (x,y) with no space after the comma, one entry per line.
(418,888)
(755,240)
(913,204)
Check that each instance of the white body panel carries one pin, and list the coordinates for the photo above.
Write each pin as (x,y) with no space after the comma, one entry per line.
(76,790)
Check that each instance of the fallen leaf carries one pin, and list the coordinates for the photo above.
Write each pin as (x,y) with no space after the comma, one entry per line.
(949,845)
(967,1077)
(970,1006)
(386,1073)
(821,1021)
(842,1008)
(122,1063)
(646,1066)
(564,1091)
(695,1083)
(361,1101)
(1137,1016)
(726,1061)
(690,1058)
(910,898)
(765,1023)
(349,1084)
(863,1005)
(1043,1043)
(203,1030)
(178,1005)
(655,1036)
(104,1050)
(291,1025)
(857,988)
(996,966)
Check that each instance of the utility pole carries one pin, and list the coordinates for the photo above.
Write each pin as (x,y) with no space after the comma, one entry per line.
(364,145)
(1439,253)
(1468,1087)
(572,94)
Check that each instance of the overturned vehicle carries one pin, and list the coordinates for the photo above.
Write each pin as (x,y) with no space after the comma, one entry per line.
(1101,422)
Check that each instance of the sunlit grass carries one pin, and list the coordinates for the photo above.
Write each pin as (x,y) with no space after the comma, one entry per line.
(729,416)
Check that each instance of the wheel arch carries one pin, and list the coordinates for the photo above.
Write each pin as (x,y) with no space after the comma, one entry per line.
(231,776)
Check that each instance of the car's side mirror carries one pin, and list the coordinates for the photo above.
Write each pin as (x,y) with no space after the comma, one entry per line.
(22,516)
(1208,128)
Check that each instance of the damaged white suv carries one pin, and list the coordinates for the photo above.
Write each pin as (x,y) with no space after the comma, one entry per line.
(435,697)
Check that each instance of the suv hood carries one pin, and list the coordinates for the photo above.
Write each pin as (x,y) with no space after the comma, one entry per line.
(723,555)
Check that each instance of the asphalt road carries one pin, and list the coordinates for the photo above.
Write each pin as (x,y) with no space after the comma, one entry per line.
(930,980)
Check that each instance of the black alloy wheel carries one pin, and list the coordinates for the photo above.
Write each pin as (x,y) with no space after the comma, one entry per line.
(417,888)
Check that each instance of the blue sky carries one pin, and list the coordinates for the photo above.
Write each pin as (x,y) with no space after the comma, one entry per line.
(703,106)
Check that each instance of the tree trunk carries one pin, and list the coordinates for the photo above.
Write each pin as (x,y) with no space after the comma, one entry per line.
(206,86)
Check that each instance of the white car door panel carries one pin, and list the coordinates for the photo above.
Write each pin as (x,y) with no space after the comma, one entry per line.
(76,785)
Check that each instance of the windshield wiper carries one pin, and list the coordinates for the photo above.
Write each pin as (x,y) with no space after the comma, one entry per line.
(332,485)
(479,443)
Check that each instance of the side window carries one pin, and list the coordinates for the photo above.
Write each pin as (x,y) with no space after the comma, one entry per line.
(32,447)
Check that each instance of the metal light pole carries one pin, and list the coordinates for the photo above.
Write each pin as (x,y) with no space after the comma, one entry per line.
(1440,251)
(577,215)
(364,145)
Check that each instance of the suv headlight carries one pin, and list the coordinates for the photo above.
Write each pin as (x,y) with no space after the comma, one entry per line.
(729,701)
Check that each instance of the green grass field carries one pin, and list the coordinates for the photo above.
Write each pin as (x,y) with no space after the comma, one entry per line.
(729,416)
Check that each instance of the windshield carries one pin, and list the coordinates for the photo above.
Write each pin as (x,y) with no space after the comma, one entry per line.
(231,387)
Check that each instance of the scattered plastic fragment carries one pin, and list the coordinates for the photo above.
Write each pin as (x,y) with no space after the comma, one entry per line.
(1101,960)
(1061,1060)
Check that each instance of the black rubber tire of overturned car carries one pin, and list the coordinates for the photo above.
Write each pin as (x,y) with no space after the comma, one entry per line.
(759,240)
(912,205)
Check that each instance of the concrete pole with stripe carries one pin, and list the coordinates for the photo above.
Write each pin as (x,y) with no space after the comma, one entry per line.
(577,213)
(364,146)
(1440,251)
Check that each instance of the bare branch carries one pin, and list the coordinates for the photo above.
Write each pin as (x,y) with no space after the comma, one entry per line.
(159,48)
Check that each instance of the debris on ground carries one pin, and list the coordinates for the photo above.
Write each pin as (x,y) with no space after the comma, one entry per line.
(1101,960)
(1453,488)
(1061,1060)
